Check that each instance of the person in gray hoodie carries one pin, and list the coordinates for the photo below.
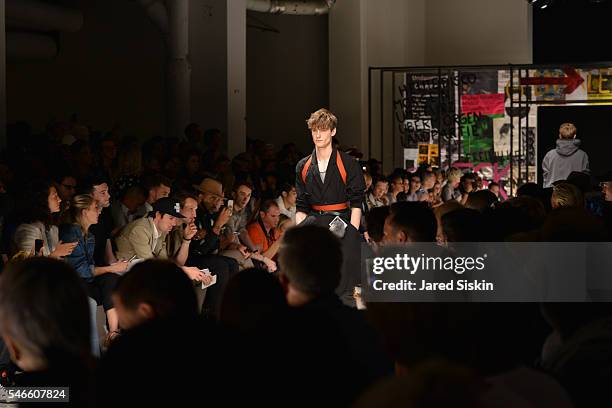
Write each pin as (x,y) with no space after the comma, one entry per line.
(565,158)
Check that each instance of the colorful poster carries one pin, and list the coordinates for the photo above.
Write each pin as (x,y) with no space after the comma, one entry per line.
(476,138)
(484,104)
(428,154)
(599,84)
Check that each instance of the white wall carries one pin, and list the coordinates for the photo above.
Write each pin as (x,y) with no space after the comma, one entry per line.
(112,71)
(471,32)
(2,77)
(364,34)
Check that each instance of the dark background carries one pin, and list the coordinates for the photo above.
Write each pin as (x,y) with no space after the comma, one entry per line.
(574,31)
(594,124)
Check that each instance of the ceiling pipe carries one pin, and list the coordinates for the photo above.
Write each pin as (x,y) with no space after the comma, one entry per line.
(298,8)
(39,16)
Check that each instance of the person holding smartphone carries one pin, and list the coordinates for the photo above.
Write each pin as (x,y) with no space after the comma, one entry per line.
(37,235)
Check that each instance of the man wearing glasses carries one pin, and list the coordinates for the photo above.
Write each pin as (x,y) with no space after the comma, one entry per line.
(211,217)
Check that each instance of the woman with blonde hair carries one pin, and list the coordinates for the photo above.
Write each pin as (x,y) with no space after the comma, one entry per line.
(99,280)
(566,195)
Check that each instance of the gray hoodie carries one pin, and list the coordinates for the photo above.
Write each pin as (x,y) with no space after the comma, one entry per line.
(560,162)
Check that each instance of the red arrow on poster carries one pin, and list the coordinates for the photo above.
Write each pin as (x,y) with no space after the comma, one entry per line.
(571,81)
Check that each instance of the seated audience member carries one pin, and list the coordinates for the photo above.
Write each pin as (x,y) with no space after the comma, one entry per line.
(537,192)
(414,188)
(378,195)
(44,321)
(284,223)
(36,216)
(66,187)
(156,187)
(262,231)
(81,214)
(428,385)
(581,354)
(310,282)
(165,342)
(126,209)
(450,191)
(253,302)
(494,188)
(145,238)
(418,333)
(428,182)
(396,184)
(481,200)
(286,201)
(439,212)
(376,223)
(467,185)
(565,194)
(436,195)
(154,290)
(514,216)
(463,225)
(98,188)
(410,222)
(606,201)
(241,213)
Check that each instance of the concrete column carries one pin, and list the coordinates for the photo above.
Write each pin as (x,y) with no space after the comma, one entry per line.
(348,71)
(217,51)
(2,77)
(178,69)
(236,76)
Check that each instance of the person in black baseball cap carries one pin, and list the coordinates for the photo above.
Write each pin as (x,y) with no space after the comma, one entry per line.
(167,206)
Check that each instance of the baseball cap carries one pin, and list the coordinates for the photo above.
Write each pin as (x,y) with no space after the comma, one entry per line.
(167,205)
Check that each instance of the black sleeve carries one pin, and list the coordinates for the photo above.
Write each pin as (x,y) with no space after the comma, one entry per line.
(302,202)
(355,184)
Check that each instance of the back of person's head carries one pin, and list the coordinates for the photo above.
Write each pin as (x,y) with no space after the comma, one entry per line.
(481,200)
(572,224)
(73,213)
(252,300)
(415,220)
(310,258)
(44,314)
(529,190)
(517,215)
(565,194)
(432,384)
(567,131)
(463,225)
(567,318)
(375,221)
(154,289)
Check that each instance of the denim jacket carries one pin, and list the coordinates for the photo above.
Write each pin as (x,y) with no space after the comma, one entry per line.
(82,257)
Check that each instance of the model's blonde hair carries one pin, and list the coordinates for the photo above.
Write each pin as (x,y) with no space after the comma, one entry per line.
(567,131)
(322,120)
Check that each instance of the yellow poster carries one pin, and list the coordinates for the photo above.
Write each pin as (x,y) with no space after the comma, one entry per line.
(428,154)
(599,84)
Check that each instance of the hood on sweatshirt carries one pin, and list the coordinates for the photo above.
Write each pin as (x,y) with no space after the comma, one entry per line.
(567,147)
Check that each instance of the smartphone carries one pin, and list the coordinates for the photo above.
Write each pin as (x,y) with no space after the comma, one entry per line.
(230,204)
(38,244)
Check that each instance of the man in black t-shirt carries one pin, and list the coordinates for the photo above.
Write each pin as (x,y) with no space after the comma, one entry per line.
(97,187)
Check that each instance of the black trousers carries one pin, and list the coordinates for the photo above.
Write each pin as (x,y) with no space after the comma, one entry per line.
(351,247)
(221,266)
(100,289)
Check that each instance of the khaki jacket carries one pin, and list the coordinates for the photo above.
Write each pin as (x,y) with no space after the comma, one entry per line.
(137,238)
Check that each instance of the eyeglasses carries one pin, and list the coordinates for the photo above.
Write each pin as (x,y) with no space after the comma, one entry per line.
(214,196)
